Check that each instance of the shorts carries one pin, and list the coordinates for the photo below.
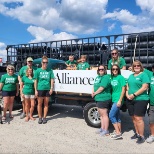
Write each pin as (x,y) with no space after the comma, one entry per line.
(151,114)
(137,107)
(103,104)
(9,93)
(29,96)
(43,93)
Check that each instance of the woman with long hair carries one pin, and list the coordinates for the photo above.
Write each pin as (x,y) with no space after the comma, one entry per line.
(28,92)
(101,92)
(118,90)
(10,88)
(116,59)
(137,99)
(43,88)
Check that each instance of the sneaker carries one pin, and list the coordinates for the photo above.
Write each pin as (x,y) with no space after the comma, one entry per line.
(44,120)
(135,136)
(140,140)
(150,139)
(23,115)
(104,133)
(116,136)
(99,131)
(114,132)
(40,121)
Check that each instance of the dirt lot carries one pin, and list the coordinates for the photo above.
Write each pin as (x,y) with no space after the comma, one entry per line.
(66,132)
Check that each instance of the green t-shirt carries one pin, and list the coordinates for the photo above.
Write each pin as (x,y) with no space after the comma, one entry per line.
(151,88)
(135,83)
(102,81)
(120,62)
(83,66)
(9,82)
(43,78)
(28,88)
(117,83)
(71,62)
(22,71)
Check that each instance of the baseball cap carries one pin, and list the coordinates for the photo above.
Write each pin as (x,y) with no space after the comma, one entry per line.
(29,59)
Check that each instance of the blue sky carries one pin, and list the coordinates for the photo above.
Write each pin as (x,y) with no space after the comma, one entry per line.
(24,21)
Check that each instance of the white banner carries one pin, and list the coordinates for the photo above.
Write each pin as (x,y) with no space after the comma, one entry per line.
(78,81)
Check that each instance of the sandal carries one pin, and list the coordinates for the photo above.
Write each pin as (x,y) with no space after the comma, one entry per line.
(26,119)
(11,116)
(3,118)
(31,118)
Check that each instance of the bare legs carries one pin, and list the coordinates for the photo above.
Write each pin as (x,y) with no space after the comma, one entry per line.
(29,108)
(40,102)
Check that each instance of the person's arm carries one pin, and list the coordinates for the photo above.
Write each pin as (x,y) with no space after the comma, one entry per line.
(123,68)
(52,86)
(21,88)
(121,96)
(17,89)
(140,91)
(99,90)
(1,85)
(35,87)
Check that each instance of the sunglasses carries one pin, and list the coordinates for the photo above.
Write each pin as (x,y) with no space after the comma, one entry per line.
(114,69)
(10,69)
(30,61)
(137,65)
(114,53)
(101,69)
(45,62)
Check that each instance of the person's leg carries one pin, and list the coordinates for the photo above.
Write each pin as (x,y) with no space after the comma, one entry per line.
(152,129)
(118,119)
(5,105)
(23,114)
(39,106)
(140,125)
(32,104)
(11,101)
(104,119)
(112,116)
(27,108)
(135,125)
(46,102)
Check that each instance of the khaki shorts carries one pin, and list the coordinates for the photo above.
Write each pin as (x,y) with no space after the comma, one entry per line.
(29,96)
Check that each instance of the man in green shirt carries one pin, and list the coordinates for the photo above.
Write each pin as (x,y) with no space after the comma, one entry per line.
(22,73)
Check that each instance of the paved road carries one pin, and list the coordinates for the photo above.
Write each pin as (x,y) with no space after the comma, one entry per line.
(66,132)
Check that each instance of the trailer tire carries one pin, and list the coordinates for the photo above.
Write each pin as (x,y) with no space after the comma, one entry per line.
(91,115)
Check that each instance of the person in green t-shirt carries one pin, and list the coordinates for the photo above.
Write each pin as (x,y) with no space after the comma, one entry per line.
(137,99)
(10,88)
(150,74)
(83,65)
(43,88)
(116,59)
(101,93)
(71,63)
(22,72)
(118,84)
(28,92)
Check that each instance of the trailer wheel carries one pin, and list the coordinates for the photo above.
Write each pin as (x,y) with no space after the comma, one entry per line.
(91,115)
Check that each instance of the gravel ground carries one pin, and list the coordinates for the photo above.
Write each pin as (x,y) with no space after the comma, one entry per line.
(66,132)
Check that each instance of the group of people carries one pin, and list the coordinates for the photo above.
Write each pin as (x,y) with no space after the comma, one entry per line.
(108,92)
(32,83)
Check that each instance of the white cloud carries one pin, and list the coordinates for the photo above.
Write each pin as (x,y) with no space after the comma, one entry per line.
(70,16)
(110,28)
(42,34)
(3,52)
